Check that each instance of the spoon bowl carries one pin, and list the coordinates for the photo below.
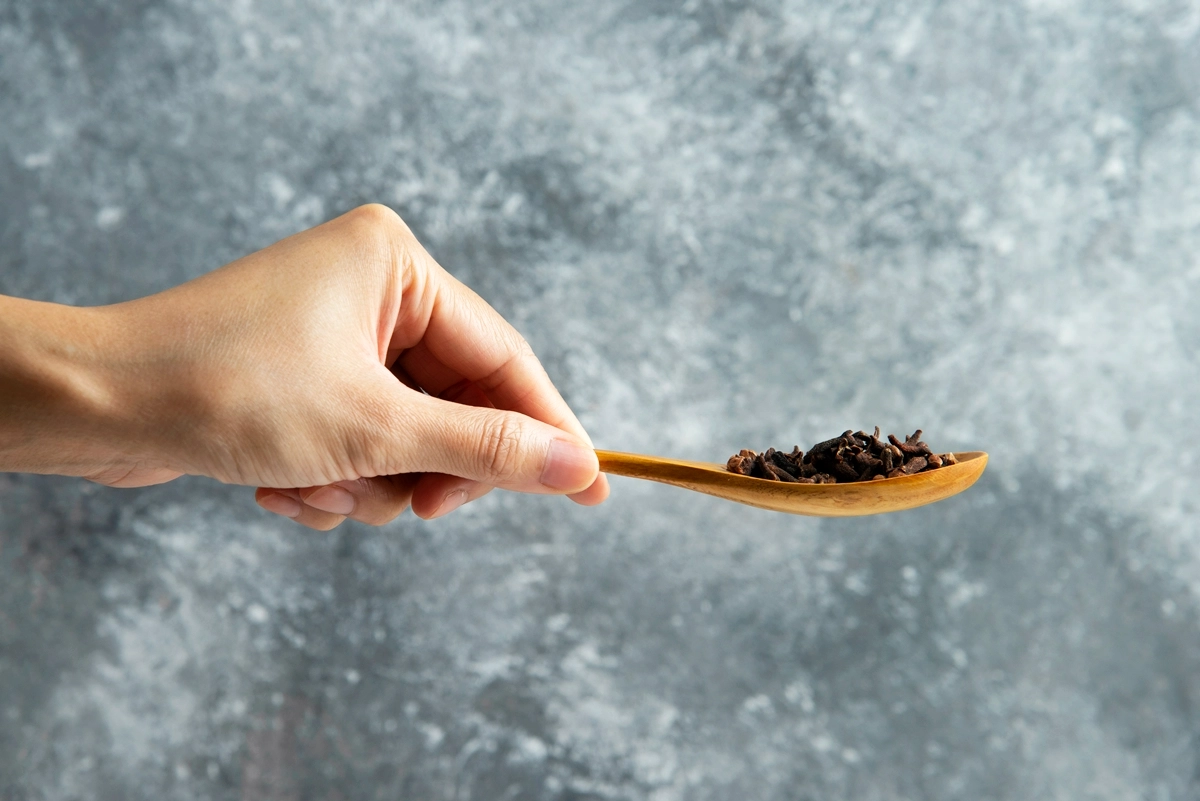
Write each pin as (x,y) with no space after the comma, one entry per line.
(819,500)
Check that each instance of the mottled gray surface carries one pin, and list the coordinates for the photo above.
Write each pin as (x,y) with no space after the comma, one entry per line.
(721,225)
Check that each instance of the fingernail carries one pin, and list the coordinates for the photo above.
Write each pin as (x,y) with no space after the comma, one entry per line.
(334,500)
(280,504)
(568,466)
(452,501)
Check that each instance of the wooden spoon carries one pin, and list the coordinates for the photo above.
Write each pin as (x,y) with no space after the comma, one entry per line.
(820,500)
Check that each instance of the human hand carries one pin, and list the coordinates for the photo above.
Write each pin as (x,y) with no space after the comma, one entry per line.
(341,371)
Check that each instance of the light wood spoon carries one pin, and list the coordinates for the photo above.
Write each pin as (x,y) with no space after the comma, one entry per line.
(820,500)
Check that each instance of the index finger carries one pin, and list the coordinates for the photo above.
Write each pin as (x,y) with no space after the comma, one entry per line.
(454,332)
(469,338)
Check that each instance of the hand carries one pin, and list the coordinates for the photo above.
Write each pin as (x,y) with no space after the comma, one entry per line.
(341,370)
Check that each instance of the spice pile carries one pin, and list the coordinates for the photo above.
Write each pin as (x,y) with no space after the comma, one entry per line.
(850,457)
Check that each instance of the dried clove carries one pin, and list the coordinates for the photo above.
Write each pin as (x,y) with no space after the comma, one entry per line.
(851,457)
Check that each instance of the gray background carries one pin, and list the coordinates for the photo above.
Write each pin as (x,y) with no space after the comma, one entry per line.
(721,225)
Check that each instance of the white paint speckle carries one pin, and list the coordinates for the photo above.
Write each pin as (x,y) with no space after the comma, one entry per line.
(757,705)
(529,749)
(798,693)
(433,735)
(35,161)
(908,38)
(309,210)
(823,743)
(1114,169)
(857,584)
(1003,242)
(964,592)
(109,217)
(279,189)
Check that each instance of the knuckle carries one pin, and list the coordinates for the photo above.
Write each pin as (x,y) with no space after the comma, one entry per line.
(500,448)
(380,512)
(388,234)
(323,523)
(377,516)
(378,227)
(524,351)
(377,215)
(382,499)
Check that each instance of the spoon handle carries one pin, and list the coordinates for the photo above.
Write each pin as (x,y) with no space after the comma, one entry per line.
(654,468)
(622,464)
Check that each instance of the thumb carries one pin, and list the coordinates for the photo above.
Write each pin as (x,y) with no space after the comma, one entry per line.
(493,446)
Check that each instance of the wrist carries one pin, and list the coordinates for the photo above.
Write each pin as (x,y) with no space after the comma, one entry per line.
(147,396)
(55,404)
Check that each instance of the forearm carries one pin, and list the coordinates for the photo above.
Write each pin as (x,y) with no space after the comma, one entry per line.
(56,408)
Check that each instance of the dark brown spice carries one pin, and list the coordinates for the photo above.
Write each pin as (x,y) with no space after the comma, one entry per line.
(854,456)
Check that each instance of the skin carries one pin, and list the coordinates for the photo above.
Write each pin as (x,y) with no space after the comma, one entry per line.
(340,371)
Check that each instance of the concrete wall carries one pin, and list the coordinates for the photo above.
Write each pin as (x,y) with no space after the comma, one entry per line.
(720,225)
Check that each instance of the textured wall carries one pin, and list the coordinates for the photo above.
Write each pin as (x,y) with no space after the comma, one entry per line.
(721,225)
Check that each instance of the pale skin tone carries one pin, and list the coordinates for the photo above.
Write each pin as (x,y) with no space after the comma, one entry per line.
(340,371)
